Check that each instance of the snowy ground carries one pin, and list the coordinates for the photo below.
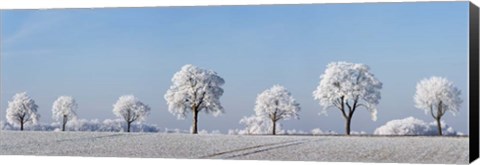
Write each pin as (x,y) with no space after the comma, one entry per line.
(452,150)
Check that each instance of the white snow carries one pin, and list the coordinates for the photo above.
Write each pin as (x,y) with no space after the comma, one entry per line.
(257,125)
(413,126)
(304,148)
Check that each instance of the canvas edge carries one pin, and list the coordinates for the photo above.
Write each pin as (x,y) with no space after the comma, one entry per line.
(474,82)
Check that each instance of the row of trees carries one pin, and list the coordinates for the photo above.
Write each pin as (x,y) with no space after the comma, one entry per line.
(349,87)
(23,110)
(343,86)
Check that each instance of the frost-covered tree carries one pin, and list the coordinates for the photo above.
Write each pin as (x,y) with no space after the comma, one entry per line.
(131,110)
(193,90)
(347,87)
(64,110)
(276,104)
(22,110)
(436,96)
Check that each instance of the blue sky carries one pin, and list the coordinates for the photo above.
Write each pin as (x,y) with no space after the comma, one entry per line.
(97,55)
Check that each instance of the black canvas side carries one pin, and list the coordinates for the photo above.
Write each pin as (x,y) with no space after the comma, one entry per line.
(474,82)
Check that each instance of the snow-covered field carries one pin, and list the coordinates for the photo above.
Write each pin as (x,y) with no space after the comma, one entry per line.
(406,149)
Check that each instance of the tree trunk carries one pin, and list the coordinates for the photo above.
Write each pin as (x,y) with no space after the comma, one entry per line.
(347,125)
(195,121)
(439,126)
(64,122)
(21,125)
(128,126)
(273,127)
(439,116)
